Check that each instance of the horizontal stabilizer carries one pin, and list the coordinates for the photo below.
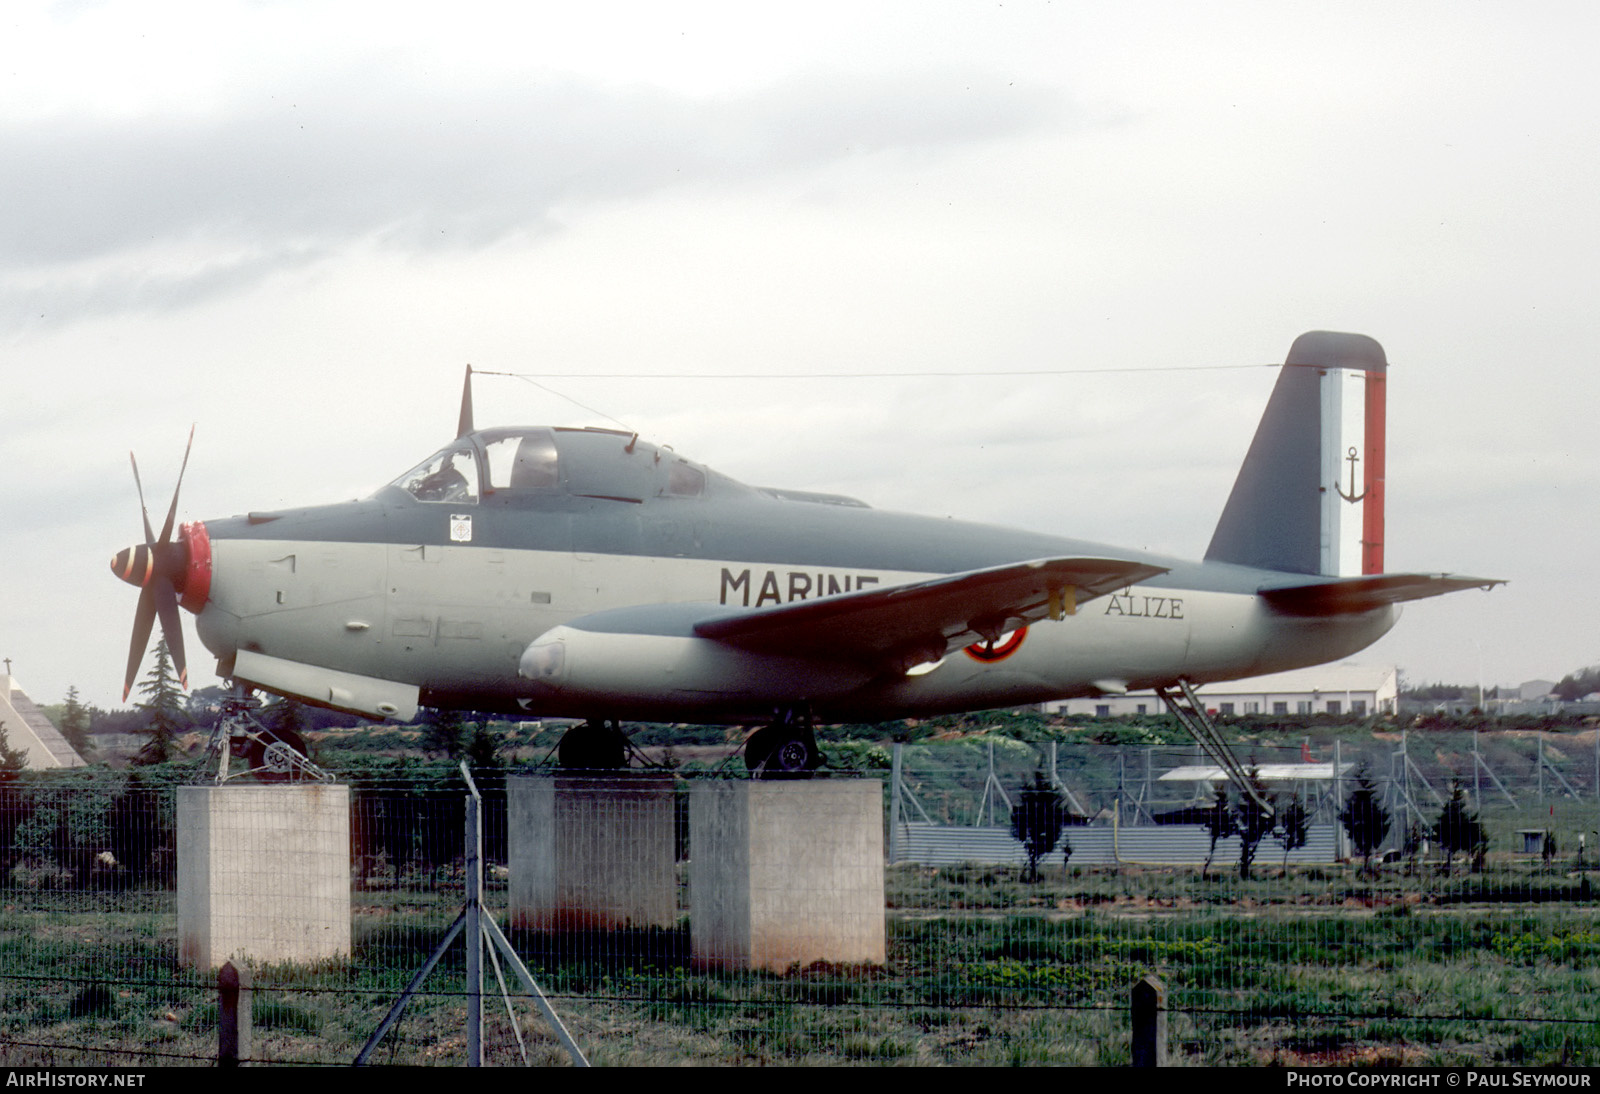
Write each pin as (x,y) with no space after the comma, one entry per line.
(1349,595)
(924,620)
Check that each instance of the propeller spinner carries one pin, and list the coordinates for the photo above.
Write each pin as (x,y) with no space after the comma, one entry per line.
(162,569)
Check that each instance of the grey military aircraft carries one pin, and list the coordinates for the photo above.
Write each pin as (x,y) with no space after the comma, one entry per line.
(586,573)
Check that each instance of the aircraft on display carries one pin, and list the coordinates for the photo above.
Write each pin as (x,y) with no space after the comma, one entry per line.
(586,573)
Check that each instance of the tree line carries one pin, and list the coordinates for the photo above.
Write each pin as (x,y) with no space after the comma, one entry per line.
(1041,815)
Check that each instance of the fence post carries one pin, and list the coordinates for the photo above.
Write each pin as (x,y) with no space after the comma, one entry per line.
(896,772)
(1150,1023)
(474,929)
(233,1015)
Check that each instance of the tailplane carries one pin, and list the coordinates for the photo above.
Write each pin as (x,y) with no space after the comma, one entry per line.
(1309,497)
(1352,595)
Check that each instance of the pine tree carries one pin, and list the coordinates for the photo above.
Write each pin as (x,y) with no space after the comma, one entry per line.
(1365,819)
(1219,825)
(482,747)
(162,707)
(1037,820)
(75,724)
(1255,821)
(1458,828)
(1575,685)
(442,732)
(12,760)
(1294,825)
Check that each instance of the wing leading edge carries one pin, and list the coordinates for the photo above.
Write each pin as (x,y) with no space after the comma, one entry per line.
(924,620)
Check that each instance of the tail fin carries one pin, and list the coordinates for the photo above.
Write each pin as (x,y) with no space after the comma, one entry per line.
(1309,498)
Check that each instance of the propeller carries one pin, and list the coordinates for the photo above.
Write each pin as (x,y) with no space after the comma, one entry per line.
(159,568)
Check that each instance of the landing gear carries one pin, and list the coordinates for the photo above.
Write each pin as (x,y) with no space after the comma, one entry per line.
(1191,714)
(273,753)
(597,743)
(787,749)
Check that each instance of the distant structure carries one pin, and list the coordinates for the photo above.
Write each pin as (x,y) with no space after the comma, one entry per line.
(1531,691)
(1531,697)
(27,728)
(1348,689)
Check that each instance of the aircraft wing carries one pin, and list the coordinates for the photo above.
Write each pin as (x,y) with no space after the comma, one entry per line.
(1348,595)
(925,620)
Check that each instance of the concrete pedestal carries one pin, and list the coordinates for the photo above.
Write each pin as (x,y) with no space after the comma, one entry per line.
(263,874)
(786,873)
(592,852)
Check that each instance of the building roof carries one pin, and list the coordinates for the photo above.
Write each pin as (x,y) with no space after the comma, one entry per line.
(27,728)
(1270,773)
(1344,676)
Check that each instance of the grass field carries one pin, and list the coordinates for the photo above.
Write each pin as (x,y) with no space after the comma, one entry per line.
(1320,967)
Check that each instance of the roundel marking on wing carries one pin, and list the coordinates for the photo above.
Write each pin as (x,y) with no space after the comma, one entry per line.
(990,652)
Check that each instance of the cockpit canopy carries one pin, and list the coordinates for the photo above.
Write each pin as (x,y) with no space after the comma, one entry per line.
(597,463)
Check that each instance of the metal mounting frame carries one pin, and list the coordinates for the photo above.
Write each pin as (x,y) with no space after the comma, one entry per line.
(238,725)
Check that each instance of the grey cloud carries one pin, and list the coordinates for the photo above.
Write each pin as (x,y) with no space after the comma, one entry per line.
(299,176)
(112,291)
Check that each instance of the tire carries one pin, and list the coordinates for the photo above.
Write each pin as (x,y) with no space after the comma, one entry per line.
(791,757)
(592,746)
(269,759)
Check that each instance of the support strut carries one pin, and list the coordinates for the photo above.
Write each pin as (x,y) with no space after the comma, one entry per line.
(240,733)
(1186,707)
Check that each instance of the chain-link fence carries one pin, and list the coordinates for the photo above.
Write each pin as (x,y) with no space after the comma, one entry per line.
(1490,956)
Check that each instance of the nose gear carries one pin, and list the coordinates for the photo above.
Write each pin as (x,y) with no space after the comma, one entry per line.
(274,755)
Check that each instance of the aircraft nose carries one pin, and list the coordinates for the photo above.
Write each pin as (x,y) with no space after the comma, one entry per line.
(135,565)
(185,562)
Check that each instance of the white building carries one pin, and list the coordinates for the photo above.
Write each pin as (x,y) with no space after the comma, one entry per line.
(27,728)
(1342,689)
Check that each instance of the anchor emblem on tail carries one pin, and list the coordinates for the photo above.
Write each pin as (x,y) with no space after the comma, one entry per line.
(1352,496)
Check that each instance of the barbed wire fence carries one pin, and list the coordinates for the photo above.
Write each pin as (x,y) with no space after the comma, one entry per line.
(1490,958)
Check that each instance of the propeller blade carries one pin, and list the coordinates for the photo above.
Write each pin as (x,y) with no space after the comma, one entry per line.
(143,618)
(465,425)
(172,510)
(158,597)
(171,626)
(149,536)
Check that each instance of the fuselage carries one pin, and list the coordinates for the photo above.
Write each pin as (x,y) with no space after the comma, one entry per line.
(443,586)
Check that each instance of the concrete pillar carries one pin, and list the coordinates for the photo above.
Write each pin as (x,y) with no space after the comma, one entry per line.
(592,852)
(263,874)
(786,873)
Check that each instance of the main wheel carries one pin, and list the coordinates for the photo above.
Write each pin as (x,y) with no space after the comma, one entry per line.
(593,745)
(271,755)
(791,756)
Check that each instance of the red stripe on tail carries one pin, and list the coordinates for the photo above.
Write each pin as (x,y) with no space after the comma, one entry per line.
(1372,511)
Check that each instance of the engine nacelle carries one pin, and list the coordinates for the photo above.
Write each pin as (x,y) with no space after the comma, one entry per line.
(672,674)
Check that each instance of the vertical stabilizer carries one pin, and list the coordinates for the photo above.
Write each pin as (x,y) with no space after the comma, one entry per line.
(1309,498)
(464,423)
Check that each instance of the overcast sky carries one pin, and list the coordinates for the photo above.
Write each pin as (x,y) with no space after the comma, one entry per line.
(291,224)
